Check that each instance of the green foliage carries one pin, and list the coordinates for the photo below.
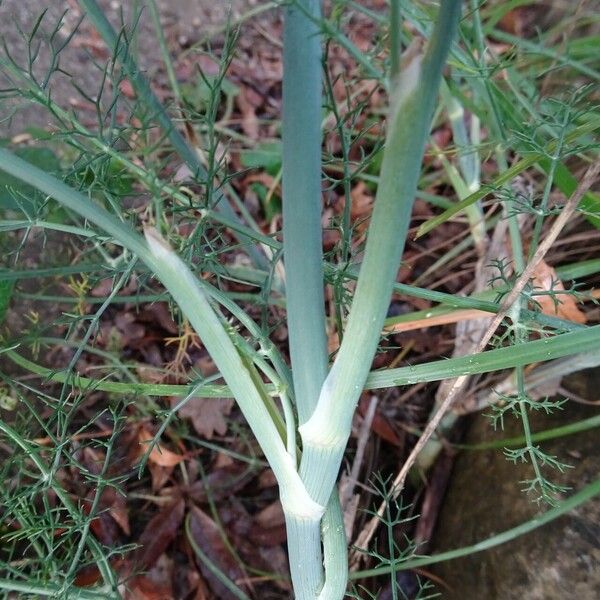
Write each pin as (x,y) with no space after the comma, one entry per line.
(265,155)
(126,162)
(200,94)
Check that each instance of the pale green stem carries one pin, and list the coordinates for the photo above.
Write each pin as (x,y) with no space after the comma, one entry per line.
(335,550)
(302,233)
(303,256)
(290,425)
(326,433)
(192,301)
(304,551)
(468,159)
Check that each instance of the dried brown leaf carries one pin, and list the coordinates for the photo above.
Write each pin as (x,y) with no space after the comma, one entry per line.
(380,425)
(118,511)
(155,584)
(207,537)
(111,511)
(158,534)
(545,278)
(275,559)
(131,330)
(266,479)
(160,476)
(158,312)
(362,201)
(90,574)
(221,483)
(246,102)
(267,537)
(208,415)
(159,455)
(126,89)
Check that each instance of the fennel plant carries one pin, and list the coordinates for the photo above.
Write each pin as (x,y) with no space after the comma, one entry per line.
(302,417)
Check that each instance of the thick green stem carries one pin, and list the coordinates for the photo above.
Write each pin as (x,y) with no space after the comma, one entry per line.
(302,236)
(302,233)
(304,551)
(335,550)
(328,429)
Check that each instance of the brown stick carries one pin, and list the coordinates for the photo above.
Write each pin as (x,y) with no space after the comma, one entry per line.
(465,314)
